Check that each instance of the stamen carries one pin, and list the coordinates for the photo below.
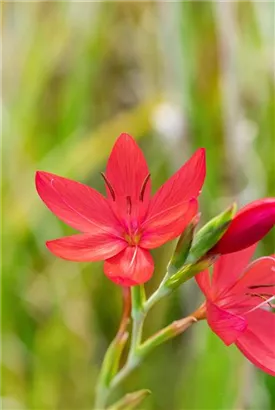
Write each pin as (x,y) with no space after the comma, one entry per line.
(129,205)
(261,286)
(134,257)
(142,191)
(264,296)
(108,183)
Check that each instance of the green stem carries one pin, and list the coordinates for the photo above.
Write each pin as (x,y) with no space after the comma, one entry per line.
(138,315)
(156,296)
(112,357)
(140,308)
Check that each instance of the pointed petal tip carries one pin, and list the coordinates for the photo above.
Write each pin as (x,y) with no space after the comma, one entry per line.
(54,249)
(41,174)
(40,177)
(201,153)
(124,137)
(127,168)
(49,244)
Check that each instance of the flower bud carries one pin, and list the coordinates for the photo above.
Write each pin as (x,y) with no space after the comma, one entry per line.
(249,226)
(210,234)
(131,400)
(189,271)
(183,246)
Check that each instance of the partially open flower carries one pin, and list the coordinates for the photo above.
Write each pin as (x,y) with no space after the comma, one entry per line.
(239,305)
(121,228)
(249,226)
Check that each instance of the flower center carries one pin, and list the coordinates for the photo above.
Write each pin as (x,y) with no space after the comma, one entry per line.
(132,239)
(131,206)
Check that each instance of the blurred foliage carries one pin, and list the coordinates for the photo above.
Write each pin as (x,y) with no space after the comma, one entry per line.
(177,76)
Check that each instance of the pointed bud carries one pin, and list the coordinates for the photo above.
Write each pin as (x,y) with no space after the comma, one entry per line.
(131,400)
(112,357)
(210,234)
(189,271)
(183,246)
(249,226)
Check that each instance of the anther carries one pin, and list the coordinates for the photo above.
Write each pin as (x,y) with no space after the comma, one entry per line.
(108,183)
(261,286)
(129,205)
(143,187)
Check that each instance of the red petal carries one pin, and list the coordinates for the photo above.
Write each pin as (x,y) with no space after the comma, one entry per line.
(225,324)
(258,341)
(167,224)
(258,279)
(130,267)
(249,226)
(203,281)
(182,186)
(76,204)
(127,169)
(228,269)
(86,247)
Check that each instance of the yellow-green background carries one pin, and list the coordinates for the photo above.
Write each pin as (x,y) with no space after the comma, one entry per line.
(177,76)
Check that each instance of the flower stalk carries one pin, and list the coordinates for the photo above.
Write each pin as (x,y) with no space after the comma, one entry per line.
(112,357)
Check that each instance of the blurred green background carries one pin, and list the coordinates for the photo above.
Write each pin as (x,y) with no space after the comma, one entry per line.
(177,76)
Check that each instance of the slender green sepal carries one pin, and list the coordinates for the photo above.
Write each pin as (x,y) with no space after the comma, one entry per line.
(183,247)
(189,271)
(131,400)
(112,358)
(165,334)
(210,234)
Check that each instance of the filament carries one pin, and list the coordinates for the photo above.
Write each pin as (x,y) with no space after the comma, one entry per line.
(108,183)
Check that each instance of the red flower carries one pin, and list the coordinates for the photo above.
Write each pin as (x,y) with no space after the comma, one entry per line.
(238,305)
(249,226)
(122,227)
